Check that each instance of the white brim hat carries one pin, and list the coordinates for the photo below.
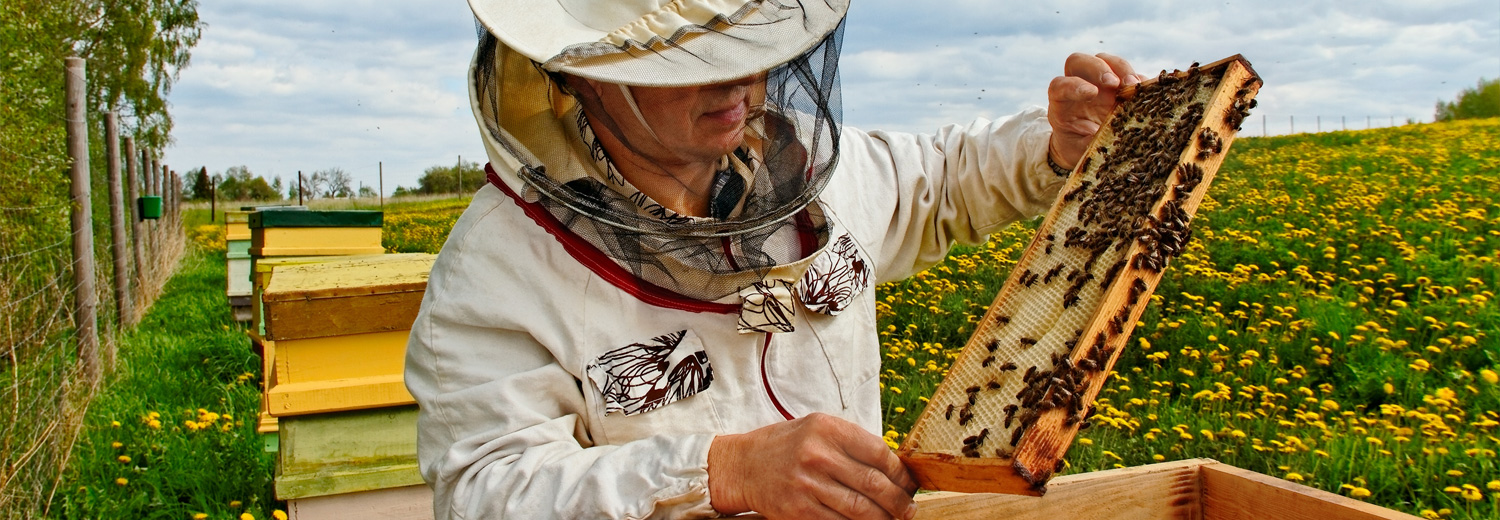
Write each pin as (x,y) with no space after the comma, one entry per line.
(660,43)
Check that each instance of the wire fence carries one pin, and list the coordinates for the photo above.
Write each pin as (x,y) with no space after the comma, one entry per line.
(1277,124)
(47,379)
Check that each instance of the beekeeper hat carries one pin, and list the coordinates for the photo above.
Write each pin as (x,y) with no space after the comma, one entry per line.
(660,43)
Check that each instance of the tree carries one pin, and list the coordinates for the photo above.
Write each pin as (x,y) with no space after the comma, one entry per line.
(1472,103)
(366,191)
(446,179)
(332,182)
(200,187)
(258,189)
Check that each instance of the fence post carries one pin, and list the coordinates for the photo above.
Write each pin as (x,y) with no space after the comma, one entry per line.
(123,307)
(84,298)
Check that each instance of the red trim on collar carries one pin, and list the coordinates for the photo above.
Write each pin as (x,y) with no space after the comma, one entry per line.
(596,261)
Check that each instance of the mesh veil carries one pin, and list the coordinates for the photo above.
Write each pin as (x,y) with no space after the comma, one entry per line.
(789,154)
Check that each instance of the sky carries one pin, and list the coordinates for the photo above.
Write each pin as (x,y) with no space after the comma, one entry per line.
(282,86)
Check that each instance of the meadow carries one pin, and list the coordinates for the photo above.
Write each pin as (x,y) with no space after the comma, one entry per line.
(1333,323)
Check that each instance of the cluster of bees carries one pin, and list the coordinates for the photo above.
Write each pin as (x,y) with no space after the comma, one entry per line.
(1120,204)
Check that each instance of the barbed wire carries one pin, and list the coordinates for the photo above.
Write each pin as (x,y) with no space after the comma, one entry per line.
(30,208)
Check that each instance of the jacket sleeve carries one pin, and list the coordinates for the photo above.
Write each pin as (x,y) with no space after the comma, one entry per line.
(501,428)
(918,194)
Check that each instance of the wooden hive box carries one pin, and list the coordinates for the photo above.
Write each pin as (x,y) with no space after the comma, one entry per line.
(315,233)
(361,451)
(339,333)
(1196,489)
(266,349)
(237,256)
(1012,402)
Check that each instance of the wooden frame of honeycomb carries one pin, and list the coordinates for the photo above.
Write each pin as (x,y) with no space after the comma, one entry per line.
(1025,382)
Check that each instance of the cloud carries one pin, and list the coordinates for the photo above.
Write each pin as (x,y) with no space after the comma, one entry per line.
(285,85)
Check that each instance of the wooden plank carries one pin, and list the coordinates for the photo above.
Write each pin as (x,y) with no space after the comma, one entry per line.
(267,242)
(292,399)
(335,453)
(1168,490)
(1231,493)
(403,503)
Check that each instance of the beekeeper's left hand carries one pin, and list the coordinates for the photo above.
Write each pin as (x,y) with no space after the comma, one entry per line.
(1080,99)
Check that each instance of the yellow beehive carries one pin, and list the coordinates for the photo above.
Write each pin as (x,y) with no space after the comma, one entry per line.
(315,233)
(339,331)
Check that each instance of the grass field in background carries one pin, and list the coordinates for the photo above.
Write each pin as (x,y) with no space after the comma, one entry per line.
(1333,323)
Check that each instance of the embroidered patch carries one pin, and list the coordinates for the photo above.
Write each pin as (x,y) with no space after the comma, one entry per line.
(766,307)
(641,377)
(835,278)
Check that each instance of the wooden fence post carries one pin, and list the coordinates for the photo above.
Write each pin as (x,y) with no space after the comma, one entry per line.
(85,300)
(135,172)
(123,304)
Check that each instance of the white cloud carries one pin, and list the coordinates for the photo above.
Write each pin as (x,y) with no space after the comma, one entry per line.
(283,85)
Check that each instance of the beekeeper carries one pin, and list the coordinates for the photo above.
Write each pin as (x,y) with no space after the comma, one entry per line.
(661,304)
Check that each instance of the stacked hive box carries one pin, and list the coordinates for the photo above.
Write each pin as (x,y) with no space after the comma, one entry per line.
(301,237)
(347,426)
(237,255)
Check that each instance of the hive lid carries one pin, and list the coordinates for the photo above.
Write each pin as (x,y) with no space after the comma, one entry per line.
(343,218)
(276,207)
(345,297)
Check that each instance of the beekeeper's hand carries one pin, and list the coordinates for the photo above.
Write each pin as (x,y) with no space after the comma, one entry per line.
(814,467)
(1080,99)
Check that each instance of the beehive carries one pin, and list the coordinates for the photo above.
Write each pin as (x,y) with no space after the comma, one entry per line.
(1024,384)
(237,255)
(315,233)
(348,452)
(1200,489)
(339,332)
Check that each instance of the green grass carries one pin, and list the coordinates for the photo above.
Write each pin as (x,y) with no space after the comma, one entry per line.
(189,366)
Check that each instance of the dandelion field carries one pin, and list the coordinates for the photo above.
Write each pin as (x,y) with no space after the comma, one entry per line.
(1332,323)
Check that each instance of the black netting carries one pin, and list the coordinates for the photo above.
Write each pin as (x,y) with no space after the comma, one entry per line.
(787,157)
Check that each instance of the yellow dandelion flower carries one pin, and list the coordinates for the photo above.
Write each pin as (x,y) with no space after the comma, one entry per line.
(1471,493)
(1158,457)
(1455,473)
(114,424)
(234,504)
(1090,442)
(1430,514)
(1359,492)
(247,516)
(1494,485)
(1294,477)
(279,514)
(124,459)
(1330,405)
(1389,388)
(1489,376)
(117,445)
(122,481)
(200,516)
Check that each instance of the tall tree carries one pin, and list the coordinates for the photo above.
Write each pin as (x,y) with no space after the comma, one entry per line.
(202,187)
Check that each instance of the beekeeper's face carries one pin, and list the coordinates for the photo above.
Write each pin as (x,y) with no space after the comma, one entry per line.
(692,124)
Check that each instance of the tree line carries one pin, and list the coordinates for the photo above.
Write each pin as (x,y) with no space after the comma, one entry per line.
(239,183)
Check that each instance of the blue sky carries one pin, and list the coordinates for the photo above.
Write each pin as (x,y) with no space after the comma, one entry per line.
(281,86)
